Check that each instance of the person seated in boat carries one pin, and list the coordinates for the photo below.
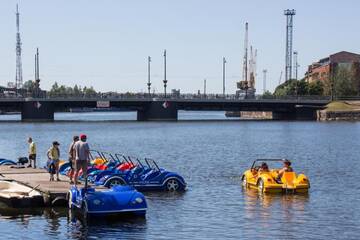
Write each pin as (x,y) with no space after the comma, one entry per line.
(264,168)
(286,168)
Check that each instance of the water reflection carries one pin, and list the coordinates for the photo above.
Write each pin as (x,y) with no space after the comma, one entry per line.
(61,221)
(13,213)
(120,226)
(286,203)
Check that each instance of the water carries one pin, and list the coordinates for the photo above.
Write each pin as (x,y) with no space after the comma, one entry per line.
(211,155)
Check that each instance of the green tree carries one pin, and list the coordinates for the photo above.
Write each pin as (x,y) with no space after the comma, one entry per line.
(316,88)
(89,92)
(54,91)
(302,87)
(343,82)
(267,95)
(355,72)
(77,91)
(29,85)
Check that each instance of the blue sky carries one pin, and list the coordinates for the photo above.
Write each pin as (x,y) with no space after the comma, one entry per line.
(105,43)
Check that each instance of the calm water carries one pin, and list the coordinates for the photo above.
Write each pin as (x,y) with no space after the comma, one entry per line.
(211,155)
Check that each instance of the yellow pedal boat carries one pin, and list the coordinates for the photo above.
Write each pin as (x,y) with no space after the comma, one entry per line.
(269,181)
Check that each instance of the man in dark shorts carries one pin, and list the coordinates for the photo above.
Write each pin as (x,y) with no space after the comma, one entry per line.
(82,151)
(72,158)
(32,152)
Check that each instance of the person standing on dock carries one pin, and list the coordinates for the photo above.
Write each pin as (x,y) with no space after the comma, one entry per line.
(54,156)
(32,152)
(72,158)
(82,151)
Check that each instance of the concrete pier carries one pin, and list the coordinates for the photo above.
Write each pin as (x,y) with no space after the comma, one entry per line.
(54,192)
(159,111)
(35,111)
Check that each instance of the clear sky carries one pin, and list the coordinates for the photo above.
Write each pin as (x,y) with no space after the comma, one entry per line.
(105,43)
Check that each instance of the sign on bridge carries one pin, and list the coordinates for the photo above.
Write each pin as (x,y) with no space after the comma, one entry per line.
(103,104)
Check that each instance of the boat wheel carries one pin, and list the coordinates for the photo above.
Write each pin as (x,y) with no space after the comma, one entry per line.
(244,181)
(114,182)
(172,185)
(261,185)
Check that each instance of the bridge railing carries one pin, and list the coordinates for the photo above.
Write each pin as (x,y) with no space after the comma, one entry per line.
(186,96)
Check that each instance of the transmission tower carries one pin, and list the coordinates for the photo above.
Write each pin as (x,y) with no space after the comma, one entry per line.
(18,77)
(245,62)
(289,42)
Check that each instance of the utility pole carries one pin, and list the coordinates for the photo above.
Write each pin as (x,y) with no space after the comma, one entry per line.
(36,90)
(35,68)
(37,77)
(224,62)
(296,65)
(149,83)
(264,81)
(165,81)
(205,87)
(18,76)
(289,42)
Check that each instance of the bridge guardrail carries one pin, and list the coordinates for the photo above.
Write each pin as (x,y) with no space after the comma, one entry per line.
(142,96)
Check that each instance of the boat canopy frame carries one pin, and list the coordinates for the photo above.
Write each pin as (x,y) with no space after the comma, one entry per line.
(268,160)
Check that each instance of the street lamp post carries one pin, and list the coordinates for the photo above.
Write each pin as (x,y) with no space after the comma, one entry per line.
(224,62)
(205,87)
(165,81)
(149,83)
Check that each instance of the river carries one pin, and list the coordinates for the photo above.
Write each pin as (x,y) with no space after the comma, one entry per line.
(211,155)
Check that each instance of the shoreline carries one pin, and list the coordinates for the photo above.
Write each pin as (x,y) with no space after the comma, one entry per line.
(340,111)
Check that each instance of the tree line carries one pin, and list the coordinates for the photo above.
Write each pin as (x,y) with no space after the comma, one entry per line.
(344,81)
(63,90)
(76,91)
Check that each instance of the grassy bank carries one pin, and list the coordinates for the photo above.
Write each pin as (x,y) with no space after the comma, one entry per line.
(343,106)
(340,111)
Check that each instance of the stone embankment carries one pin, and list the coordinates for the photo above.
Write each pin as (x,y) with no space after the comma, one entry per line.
(340,111)
(324,115)
(249,115)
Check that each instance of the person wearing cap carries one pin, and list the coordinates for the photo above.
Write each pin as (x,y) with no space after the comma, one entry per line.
(82,158)
(72,157)
(54,155)
(32,152)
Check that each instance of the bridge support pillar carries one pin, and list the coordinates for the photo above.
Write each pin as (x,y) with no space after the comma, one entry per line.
(297,114)
(37,111)
(159,111)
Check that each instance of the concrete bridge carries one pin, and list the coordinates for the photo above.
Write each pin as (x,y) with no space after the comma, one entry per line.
(43,109)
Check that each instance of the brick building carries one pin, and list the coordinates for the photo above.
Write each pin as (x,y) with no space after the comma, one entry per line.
(321,70)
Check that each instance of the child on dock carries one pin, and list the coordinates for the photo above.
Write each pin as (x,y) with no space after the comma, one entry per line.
(54,158)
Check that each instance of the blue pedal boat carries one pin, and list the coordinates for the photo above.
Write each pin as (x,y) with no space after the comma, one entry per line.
(116,201)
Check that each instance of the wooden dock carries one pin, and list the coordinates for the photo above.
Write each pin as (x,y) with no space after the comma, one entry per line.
(54,192)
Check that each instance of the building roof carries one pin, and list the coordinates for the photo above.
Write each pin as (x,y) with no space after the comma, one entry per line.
(344,57)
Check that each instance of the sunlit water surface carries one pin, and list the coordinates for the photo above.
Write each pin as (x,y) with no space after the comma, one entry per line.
(211,155)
